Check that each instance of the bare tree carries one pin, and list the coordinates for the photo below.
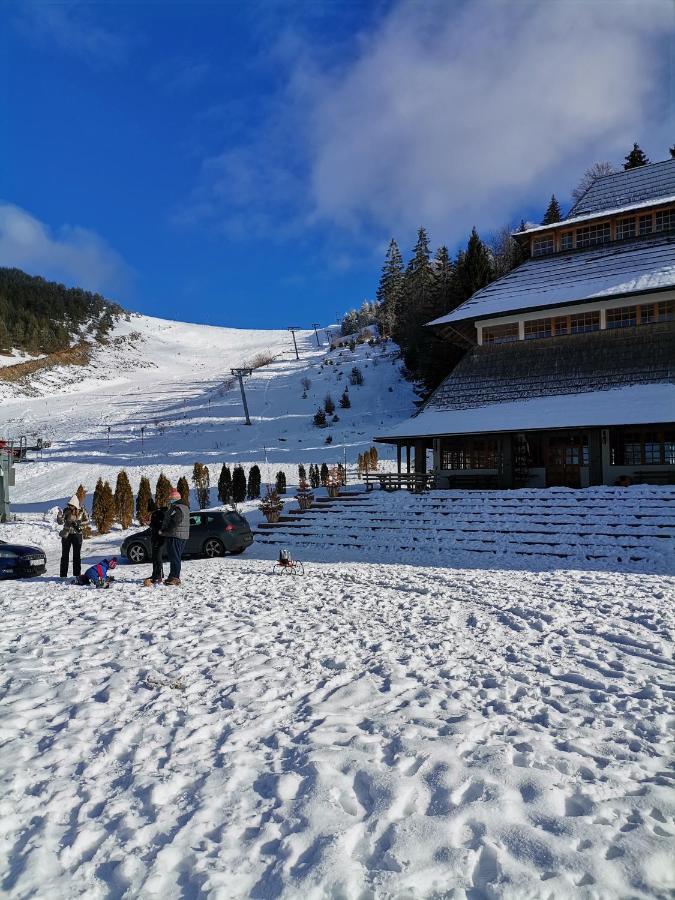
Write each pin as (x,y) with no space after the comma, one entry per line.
(597,170)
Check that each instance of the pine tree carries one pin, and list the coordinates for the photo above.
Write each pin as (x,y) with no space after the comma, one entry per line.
(553,213)
(225,485)
(280,482)
(103,514)
(329,405)
(202,481)
(183,489)
(238,484)
(672,151)
(162,490)
(124,500)
(637,157)
(143,499)
(302,473)
(324,474)
(374,460)
(473,267)
(389,291)
(96,502)
(418,283)
(319,419)
(314,477)
(345,402)
(342,474)
(253,487)
(81,494)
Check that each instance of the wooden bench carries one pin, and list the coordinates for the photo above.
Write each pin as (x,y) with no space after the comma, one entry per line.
(642,476)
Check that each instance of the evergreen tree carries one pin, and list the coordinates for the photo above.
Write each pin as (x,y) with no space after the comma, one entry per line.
(202,481)
(324,474)
(473,267)
(124,500)
(162,490)
(672,151)
(637,157)
(96,502)
(314,477)
(302,473)
(418,283)
(374,460)
(280,482)
(81,494)
(253,487)
(345,402)
(104,514)
(319,419)
(329,405)
(553,213)
(225,485)
(143,499)
(183,489)
(342,474)
(389,291)
(238,484)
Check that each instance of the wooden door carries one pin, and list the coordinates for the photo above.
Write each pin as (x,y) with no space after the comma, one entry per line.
(565,454)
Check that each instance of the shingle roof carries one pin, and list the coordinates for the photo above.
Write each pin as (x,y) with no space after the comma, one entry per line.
(611,270)
(637,185)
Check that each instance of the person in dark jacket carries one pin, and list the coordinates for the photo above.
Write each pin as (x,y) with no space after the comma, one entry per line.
(157,541)
(98,574)
(176,530)
(72,518)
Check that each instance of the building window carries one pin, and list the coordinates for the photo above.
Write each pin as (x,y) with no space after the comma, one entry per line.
(567,240)
(582,323)
(500,334)
(470,454)
(645,224)
(664,220)
(593,234)
(538,328)
(561,325)
(625,228)
(642,447)
(543,246)
(657,312)
(622,317)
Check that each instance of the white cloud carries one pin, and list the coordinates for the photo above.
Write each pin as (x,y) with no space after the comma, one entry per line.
(453,115)
(75,255)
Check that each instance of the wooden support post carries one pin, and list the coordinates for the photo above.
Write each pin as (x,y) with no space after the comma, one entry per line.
(407,458)
(420,457)
(398,458)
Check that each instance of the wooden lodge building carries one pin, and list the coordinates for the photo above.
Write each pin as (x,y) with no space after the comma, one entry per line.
(569,375)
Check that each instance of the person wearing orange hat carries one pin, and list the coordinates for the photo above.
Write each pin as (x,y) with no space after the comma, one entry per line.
(176,530)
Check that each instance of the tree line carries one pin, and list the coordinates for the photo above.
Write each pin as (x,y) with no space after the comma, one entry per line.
(41,316)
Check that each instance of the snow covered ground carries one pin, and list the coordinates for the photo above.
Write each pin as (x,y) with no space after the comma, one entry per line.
(384,728)
(367,731)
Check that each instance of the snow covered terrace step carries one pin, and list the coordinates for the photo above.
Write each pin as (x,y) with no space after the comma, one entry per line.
(599,527)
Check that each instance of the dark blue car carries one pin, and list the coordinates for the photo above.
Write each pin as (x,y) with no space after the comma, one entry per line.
(21,561)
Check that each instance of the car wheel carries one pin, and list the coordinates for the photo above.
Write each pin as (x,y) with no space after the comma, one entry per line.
(237,551)
(136,553)
(213,547)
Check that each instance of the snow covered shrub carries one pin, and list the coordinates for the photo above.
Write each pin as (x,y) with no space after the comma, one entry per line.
(329,405)
(124,500)
(183,489)
(345,402)
(356,376)
(261,359)
(253,487)
(335,418)
(329,439)
(333,481)
(202,482)
(280,482)
(271,505)
(374,459)
(319,419)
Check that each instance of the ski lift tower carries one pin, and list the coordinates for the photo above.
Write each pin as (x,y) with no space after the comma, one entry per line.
(241,374)
(6,481)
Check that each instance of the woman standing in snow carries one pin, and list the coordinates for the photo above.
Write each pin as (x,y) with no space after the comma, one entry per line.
(73,517)
(156,542)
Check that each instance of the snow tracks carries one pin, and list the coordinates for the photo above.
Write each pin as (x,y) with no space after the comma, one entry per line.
(367,731)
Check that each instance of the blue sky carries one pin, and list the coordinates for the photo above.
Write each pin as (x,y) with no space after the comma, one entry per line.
(246,164)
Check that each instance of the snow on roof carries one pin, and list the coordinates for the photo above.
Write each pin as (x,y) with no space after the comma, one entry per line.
(637,404)
(607,271)
(585,217)
(633,186)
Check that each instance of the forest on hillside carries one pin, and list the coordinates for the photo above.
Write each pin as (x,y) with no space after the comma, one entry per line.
(40,316)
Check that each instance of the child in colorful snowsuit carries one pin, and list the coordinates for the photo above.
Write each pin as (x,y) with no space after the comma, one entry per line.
(98,574)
